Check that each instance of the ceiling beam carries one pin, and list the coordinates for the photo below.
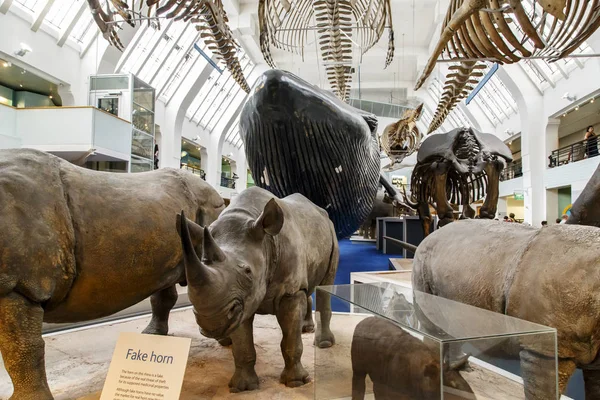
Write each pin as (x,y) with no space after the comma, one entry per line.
(64,35)
(40,17)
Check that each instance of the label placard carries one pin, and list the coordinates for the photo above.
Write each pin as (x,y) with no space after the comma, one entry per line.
(146,367)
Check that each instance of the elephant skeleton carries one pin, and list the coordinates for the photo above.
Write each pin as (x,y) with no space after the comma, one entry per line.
(457,168)
(208,15)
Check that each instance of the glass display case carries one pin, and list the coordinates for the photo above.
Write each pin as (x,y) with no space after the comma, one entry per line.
(393,343)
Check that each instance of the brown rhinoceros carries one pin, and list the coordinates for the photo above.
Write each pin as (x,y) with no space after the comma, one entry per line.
(550,276)
(263,255)
(77,244)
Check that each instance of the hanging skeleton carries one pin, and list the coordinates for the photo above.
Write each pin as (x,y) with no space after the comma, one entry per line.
(208,16)
(457,87)
(339,24)
(505,31)
(401,139)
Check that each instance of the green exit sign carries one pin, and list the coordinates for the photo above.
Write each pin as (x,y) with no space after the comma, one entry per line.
(519,196)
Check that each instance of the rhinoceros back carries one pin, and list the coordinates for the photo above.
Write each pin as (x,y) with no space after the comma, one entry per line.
(37,240)
(300,140)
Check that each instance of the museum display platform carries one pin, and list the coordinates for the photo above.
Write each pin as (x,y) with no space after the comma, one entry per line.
(77,362)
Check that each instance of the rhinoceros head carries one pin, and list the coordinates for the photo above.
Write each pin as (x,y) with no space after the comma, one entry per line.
(226,278)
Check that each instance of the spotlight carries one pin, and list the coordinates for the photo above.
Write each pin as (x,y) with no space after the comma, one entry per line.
(577,108)
(592,100)
(567,96)
(564,115)
(197,138)
(50,96)
(6,64)
(20,85)
(23,50)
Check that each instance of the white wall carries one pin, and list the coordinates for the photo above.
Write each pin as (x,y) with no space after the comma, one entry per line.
(8,128)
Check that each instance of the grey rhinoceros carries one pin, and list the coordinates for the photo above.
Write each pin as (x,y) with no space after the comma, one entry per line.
(550,276)
(77,244)
(400,365)
(263,255)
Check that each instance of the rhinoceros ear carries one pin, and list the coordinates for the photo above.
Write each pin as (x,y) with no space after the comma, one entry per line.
(211,250)
(270,221)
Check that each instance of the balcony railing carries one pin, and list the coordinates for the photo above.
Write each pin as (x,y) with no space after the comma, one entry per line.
(512,170)
(195,171)
(227,182)
(574,152)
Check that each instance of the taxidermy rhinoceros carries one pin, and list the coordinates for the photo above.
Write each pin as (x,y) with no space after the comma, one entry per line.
(261,256)
(77,244)
(400,365)
(550,276)
(302,139)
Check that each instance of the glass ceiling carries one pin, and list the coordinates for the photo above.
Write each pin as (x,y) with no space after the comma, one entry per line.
(542,73)
(162,58)
(233,136)
(218,94)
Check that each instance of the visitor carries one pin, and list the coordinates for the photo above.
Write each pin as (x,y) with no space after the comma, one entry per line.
(506,218)
(512,217)
(564,219)
(544,224)
(592,142)
(558,220)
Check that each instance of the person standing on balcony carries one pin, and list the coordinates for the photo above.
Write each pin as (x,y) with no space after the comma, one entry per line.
(592,142)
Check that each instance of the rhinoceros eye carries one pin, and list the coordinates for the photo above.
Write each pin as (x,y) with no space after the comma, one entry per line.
(246,268)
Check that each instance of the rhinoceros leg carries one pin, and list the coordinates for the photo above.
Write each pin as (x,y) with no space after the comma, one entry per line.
(244,356)
(324,337)
(22,347)
(539,377)
(290,316)
(308,325)
(591,378)
(162,303)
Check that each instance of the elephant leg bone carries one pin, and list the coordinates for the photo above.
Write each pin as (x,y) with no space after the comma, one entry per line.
(488,210)
(308,325)
(443,207)
(290,316)
(22,347)
(244,356)
(162,303)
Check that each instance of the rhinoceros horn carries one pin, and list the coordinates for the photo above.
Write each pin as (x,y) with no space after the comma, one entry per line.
(196,272)
(211,250)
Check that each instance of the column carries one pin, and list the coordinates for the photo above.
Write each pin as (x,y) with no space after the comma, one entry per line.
(502,208)
(533,140)
(552,205)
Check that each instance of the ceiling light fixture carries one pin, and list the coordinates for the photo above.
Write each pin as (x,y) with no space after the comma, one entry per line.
(592,100)
(50,96)
(20,85)
(577,108)
(23,50)
(6,64)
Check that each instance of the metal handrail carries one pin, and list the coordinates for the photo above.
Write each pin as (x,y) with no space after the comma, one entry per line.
(227,182)
(196,171)
(513,170)
(577,151)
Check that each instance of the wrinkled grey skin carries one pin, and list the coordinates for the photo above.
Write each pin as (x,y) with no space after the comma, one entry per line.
(585,210)
(77,244)
(400,365)
(263,255)
(549,276)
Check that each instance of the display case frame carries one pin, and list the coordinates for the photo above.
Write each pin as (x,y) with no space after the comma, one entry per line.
(389,327)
